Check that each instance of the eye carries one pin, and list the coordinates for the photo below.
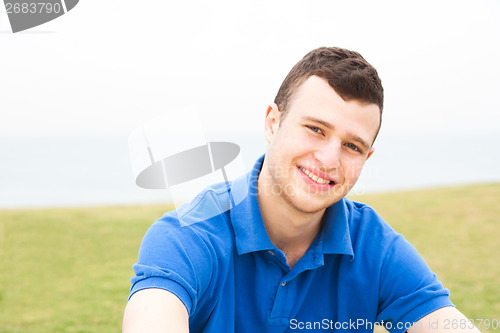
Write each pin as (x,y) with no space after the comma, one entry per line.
(353,147)
(315,129)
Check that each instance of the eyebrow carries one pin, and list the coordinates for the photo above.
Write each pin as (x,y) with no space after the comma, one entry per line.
(319,121)
(330,126)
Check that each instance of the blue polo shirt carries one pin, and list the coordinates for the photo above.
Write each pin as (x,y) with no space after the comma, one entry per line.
(215,255)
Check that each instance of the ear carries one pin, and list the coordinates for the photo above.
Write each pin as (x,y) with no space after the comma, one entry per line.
(272,121)
(372,149)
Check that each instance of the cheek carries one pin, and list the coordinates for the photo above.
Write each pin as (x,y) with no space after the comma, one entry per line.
(300,140)
(288,142)
(352,168)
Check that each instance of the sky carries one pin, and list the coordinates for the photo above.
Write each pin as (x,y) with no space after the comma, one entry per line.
(107,67)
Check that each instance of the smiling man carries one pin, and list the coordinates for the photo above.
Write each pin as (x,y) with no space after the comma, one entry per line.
(292,253)
(316,151)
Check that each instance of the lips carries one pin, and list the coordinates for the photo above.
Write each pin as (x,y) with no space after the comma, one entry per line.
(316,178)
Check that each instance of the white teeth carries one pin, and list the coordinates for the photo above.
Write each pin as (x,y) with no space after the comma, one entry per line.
(314,177)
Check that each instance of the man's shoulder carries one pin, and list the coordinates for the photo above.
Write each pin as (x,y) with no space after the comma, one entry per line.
(183,249)
(366,225)
(213,202)
(203,223)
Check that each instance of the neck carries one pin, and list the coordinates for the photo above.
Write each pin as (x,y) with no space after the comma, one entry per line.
(288,228)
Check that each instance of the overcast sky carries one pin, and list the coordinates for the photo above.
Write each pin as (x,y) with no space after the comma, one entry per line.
(109,66)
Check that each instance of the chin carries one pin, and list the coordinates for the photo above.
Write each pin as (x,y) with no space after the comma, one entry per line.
(309,205)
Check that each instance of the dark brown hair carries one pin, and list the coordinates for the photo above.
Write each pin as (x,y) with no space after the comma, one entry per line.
(347,72)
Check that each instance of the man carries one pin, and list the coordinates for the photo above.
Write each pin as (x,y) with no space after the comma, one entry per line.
(293,254)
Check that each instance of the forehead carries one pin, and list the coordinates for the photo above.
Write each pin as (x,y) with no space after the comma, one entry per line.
(316,98)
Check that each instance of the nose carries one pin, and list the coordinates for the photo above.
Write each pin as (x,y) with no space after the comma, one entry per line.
(328,155)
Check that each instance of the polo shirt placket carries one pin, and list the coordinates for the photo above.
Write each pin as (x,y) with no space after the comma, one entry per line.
(288,288)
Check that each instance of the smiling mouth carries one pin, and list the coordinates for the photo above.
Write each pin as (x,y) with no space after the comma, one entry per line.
(316,178)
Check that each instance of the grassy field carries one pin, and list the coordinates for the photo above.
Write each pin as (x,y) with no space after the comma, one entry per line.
(68,270)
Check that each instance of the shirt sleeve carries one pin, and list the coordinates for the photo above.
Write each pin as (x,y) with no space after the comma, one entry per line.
(172,257)
(409,290)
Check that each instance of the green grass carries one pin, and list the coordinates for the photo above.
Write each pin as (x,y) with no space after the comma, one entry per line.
(68,270)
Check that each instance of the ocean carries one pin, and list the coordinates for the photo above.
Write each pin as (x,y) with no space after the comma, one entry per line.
(90,170)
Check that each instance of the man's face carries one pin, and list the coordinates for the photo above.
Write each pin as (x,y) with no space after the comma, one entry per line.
(315,155)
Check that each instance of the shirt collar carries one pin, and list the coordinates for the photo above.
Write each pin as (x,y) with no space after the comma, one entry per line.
(250,232)
(335,234)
